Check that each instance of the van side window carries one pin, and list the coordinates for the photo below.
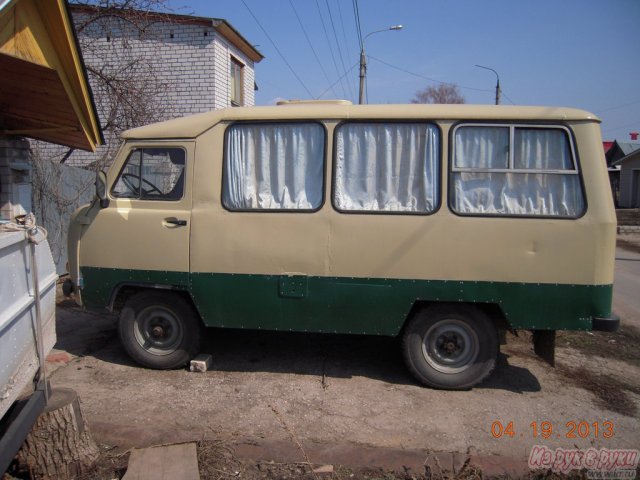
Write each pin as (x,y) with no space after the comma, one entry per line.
(515,170)
(152,174)
(277,166)
(386,167)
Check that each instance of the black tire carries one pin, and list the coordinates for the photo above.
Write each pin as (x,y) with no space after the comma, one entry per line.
(159,330)
(451,347)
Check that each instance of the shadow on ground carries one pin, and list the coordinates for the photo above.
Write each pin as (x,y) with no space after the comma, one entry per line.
(326,355)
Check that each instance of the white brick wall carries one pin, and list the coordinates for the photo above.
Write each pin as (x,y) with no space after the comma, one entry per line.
(194,67)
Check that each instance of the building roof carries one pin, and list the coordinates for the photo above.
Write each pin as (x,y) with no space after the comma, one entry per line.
(224,28)
(44,91)
(618,151)
(634,153)
(194,125)
(628,147)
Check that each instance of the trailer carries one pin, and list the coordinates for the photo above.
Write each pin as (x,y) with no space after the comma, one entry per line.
(27,331)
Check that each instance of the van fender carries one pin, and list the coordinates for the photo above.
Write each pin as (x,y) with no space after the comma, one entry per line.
(124,290)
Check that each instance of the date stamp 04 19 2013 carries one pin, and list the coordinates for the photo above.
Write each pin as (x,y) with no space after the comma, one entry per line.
(600,463)
(571,429)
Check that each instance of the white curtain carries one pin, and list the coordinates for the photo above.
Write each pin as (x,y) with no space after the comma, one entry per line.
(482,147)
(386,167)
(516,193)
(274,166)
(541,149)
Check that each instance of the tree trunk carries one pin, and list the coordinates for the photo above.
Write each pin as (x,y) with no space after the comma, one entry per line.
(59,445)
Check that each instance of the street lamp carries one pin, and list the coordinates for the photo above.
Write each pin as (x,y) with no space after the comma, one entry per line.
(497,83)
(363,58)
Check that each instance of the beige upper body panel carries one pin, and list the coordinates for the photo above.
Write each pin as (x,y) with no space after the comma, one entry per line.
(194,125)
(440,246)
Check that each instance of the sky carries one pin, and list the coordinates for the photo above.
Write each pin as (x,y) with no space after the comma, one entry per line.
(572,53)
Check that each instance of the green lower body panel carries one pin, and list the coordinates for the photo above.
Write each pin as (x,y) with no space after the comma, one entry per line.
(372,306)
(100,284)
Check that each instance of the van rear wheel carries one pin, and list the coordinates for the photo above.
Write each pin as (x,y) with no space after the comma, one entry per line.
(450,346)
(159,330)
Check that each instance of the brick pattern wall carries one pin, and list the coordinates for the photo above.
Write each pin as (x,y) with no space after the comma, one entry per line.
(191,63)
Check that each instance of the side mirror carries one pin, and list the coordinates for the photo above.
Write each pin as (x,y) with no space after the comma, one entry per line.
(101,189)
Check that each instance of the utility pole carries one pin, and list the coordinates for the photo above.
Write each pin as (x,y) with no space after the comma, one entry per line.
(363,60)
(497,83)
(363,74)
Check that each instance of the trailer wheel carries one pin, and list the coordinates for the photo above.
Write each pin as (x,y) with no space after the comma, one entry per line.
(450,346)
(159,330)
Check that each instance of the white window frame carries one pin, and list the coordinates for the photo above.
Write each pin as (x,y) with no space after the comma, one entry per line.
(238,100)
(512,133)
(511,168)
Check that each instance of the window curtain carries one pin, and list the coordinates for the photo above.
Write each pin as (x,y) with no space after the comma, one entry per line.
(516,193)
(275,167)
(386,167)
(482,147)
(541,149)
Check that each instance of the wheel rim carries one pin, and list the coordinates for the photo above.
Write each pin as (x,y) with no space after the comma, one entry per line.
(158,330)
(450,346)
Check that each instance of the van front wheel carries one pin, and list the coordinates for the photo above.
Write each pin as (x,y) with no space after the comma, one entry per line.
(159,330)
(450,346)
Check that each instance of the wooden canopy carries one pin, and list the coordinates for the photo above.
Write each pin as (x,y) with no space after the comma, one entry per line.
(44,92)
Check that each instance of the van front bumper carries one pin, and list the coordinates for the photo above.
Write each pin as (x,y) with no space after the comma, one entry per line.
(606,324)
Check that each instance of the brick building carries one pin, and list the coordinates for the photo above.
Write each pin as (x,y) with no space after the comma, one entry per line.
(187,65)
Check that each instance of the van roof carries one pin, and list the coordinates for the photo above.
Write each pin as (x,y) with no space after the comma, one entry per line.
(194,125)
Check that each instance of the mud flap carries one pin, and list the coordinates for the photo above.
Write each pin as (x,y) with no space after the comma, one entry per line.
(544,344)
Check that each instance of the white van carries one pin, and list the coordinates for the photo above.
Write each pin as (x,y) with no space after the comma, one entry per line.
(442,224)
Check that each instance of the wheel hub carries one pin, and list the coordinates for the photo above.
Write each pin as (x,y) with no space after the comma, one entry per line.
(157,332)
(450,346)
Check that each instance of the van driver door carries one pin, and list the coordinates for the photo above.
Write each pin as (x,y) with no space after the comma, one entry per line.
(143,234)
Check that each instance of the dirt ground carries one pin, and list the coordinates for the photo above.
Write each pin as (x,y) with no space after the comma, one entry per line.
(275,404)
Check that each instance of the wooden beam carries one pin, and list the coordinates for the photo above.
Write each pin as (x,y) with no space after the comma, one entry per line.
(40,34)
(33,100)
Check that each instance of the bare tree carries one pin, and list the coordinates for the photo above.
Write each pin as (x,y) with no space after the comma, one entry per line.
(126,79)
(128,84)
(443,93)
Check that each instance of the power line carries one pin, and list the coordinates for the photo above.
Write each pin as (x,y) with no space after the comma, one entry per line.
(334,83)
(335,36)
(618,107)
(277,49)
(315,54)
(637,122)
(356,15)
(333,57)
(507,97)
(344,31)
(428,78)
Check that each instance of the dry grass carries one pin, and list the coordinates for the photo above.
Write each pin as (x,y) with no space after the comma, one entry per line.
(620,345)
(611,393)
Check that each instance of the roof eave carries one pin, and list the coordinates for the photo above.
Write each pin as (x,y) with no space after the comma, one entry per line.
(232,35)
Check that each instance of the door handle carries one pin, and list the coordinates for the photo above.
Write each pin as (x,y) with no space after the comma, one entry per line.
(174,221)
